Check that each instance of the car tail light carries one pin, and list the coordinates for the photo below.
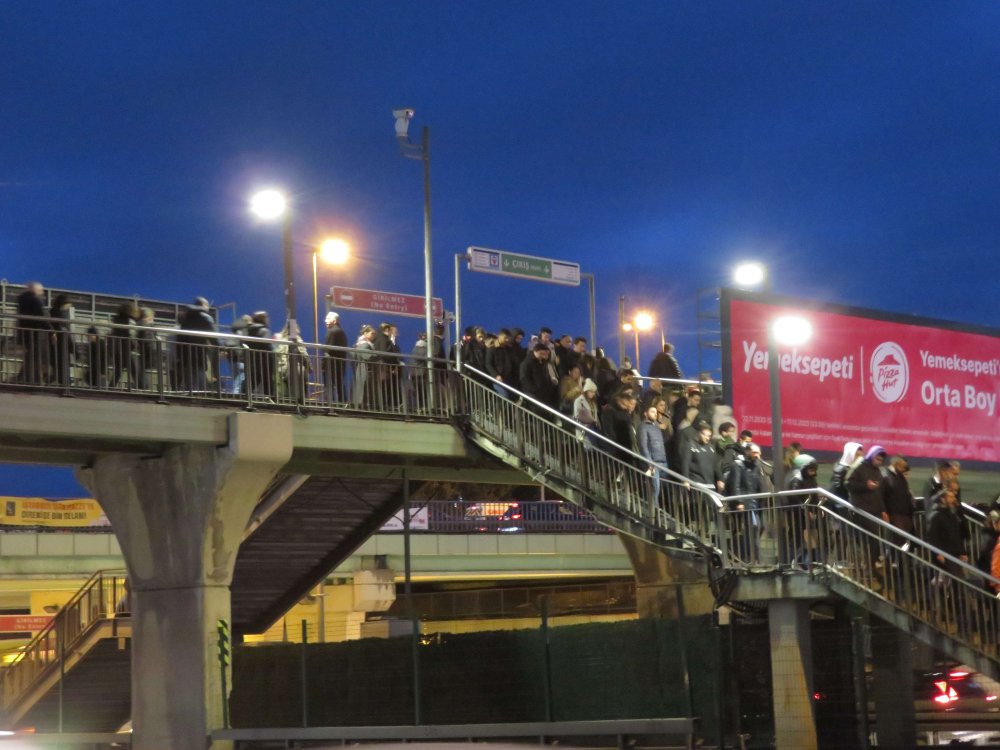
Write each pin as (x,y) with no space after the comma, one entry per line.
(948,693)
(958,675)
(991,697)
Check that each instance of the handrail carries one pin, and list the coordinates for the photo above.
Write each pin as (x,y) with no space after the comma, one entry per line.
(172,364)
(847,507)
(829,539)
(103,596)
(833,540)
(601,438)
(615,480)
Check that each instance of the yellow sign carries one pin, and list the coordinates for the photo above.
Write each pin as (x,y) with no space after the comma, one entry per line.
(38,511)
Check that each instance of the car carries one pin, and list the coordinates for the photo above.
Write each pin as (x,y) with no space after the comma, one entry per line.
(546,516)
(956,689)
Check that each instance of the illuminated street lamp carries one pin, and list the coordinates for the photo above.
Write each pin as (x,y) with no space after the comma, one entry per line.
(751,274)
(271,205)
(642,321)
(334,252)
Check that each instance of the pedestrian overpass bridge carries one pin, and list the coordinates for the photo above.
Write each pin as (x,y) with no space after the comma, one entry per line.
(232,506)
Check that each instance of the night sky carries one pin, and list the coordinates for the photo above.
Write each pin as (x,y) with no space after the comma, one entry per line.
(850,146)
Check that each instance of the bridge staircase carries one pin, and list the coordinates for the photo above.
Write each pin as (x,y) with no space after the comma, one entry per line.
(815,540)
(303,528)
(75,673)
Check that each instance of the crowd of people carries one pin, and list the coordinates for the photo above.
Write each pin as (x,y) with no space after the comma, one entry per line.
(661,418)
(669,424)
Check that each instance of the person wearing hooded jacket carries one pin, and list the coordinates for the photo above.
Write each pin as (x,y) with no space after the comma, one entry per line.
(838,480)
(866,484)
(586,410)
(804,477)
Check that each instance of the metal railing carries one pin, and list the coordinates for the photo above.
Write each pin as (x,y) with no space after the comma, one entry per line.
(608,475)
(169,365)
(812,531)
(508,517)
(826,536)
(104,597)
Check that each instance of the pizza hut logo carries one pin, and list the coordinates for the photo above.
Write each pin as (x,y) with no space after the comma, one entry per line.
(890,373)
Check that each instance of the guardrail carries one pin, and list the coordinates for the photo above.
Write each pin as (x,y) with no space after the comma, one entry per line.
(103,597)
(168,365)
(813,531)
(508,517)
(607,474)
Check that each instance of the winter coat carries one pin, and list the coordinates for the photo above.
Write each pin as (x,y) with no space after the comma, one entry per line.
(699,463)
(651,445)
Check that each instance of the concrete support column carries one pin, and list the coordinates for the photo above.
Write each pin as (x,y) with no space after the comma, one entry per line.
(892,685)
(179,518)
(791,674)
(657,575)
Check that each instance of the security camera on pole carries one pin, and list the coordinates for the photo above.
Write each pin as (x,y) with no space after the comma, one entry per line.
(421,151)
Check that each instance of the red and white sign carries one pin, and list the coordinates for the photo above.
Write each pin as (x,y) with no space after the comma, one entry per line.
(23,623)
(409,305)
(913,388)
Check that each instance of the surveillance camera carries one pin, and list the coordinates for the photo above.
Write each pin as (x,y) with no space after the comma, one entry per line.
(402,122)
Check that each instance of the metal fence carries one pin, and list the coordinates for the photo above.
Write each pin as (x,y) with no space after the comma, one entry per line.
(510,517)
(608,475)
(814,532)
(170,365)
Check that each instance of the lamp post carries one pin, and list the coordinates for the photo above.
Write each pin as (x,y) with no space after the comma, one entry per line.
(335,252)
(784,330)
(269,205)
(621,330)
(643,321)
(421,151)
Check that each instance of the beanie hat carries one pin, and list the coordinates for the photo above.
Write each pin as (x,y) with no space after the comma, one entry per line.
(589,385)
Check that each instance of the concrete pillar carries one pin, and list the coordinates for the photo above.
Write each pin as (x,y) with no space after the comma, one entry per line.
(791,674)
(179,518)
(657,575)
(892,687)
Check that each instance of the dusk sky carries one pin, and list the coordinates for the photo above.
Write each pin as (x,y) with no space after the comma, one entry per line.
(853,147)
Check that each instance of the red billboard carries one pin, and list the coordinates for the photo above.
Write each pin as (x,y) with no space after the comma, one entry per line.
(409,305)
(919,388)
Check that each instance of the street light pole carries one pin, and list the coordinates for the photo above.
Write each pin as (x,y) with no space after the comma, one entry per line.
(428,279)
(774,386)
(593,312)
(286,244)
(315,252)
(422,152)
(621,330)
